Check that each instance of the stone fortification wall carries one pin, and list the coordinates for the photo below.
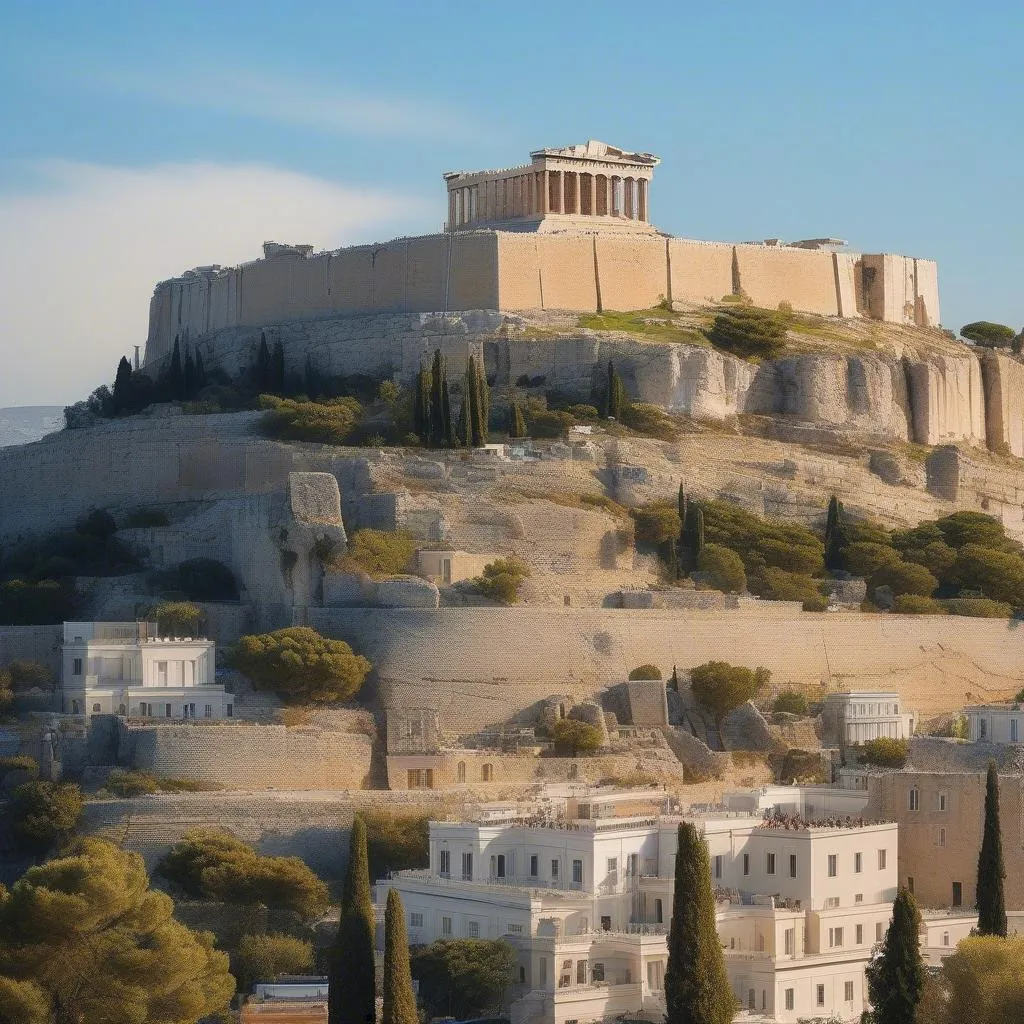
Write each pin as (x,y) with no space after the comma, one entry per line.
(953,473)
(515,271)
(250,757)
(313,826)
(482,666)
(1004,403)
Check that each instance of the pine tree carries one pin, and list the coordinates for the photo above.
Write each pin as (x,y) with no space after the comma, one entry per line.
(263,365)
(277,369)
(122,386)
(352,989)
(990,895)
(399,1000)
(517,425)
(697,987)
(175,375)
(896,976)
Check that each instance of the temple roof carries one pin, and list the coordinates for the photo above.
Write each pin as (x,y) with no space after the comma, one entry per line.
(592,149)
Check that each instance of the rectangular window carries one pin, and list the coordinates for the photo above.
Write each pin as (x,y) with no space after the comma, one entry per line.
(446,926)
(835,938)
(554,871)
(942,801)
(914,799)
(446,863)
(473,929)
(910,884)
(613,869)
(746,863)
(208,711)
(958,894)
(940,837)
(792,865)
(878,931)
(534,861)
(581,972)
(821,995)
(543,971)
(577,872)
(501,865)
(858,863)
(76,669)
(606,924)
(230,710)
(858,897)
(860,935)
(416,920)
(467,867)
(513,929)
(597,972)
(167,711)
(831,902)
(832,865)
(658,913)
(790,941)
(1013,730)
(789,998)
(770,864)
(718,865)
(881,860)
(848,991)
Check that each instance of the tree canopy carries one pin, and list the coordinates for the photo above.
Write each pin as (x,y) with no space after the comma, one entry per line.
(988,334)
(43,814)
(646,672)
(982,982)
(463,978)
(211,864)
(267,957)
(573,737)
(991,872)
(722,568)
(84,938)
(721,687)
(300,665)
(502,579)
(896,976)
(399,1000)
(379,552)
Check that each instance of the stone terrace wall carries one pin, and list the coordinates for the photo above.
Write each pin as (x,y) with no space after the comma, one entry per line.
(247,756)
(480,666)
(32,643)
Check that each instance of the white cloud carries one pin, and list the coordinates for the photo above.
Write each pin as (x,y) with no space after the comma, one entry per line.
(82,253)
(305,102)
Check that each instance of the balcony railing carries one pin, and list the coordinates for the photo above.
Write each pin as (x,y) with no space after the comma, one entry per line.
(495,883)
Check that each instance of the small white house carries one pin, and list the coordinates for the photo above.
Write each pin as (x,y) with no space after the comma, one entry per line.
(126,668)
(857,716)
(995,723)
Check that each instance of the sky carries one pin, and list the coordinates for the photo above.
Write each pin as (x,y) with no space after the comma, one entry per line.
(140,139)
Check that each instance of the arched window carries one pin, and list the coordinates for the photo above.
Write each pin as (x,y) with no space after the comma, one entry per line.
(487,772)
(96,709)
(574,771)
(460,772)
(122,710)
(76,708)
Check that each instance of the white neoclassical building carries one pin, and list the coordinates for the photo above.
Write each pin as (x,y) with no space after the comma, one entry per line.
(857,716)
(126,668)
(995,723)
(586,901)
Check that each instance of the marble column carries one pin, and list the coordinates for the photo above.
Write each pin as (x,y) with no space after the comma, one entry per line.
(561,191)
(545,194)
(642,188)
(451,209)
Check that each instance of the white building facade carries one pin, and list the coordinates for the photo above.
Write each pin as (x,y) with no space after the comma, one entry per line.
(587,904)
(855,717)
(126,668)
(995,723)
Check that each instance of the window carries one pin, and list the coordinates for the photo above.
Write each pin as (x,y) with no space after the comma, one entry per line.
(792,865)
(577,872)
(718,865)
(96,709)
(613,869)
(534,861)
(945,938)
(858,863)
(770,864)
(940,837)
(878,931)
(821,995)
(513,929)
(501,865)
(543,970)
(832,865)
(487,772)
(416,920)
(446,864)
(167,711)
(208,711)
(76,668)
(858,897)
(789,999)
(942,801)
(230,710)
(831,902)
(984,729)
(658,913)
(860,935)
(958,894)
(835,938)
(1013,730)
(790,941)
(910,884)
(881,860)
(581,972)
(848,991)
(751,999)
(632,865)
(597,972)
(746,863)
(473,929)
(554,870)
(914,798)
(460,772)
(446,926)
(467,867)
(606,924)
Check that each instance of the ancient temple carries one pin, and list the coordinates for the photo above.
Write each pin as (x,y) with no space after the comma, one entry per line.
(589,187)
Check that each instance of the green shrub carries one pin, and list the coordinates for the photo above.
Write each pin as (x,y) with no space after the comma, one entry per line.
(778,585)
(998,574)
(749,332)
(648,420)
(988,334)
(200,579)
(792,702)
(43,814)
(28,675)
(36,604)
(502,579)
(977,607)
(721,687)
(146,517)
(915,604)
(328,422)
(177,618)
(862,558)
(962,528)
(657,522)
(548,423)
(19,763)
(646,672)
(466,977)
(378,553)
(573,737)
(300,665)
(722,568)
(270,956)
(583,412)
(903,578)
(884,752)
(127,784)
(395,842)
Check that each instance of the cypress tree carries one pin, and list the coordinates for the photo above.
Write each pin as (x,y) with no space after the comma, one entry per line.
(473,398)
(990,896)
(673,682)
(446,411)
(517,427)
(352,988)
(263,365)
(697,987)
(462,438)
(693,536)
(421,406)
(835,534)
(485,400)
(277,368)
(175,375)
(896,976)
(122,386)
(189,375)
(200,372)
(615,393)
(399,1001)
(437,431)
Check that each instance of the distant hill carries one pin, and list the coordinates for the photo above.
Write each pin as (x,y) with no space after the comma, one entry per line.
(29,423)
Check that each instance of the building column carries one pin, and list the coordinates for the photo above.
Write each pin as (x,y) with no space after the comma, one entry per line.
(451,209)
(561,191)
(593,195)
(531,183)
(575,193)
(642,193)
(545,205)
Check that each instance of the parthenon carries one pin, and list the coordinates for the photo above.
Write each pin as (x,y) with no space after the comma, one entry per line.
(586,187)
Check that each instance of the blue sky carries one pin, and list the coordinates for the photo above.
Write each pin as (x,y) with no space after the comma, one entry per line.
(139,139)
